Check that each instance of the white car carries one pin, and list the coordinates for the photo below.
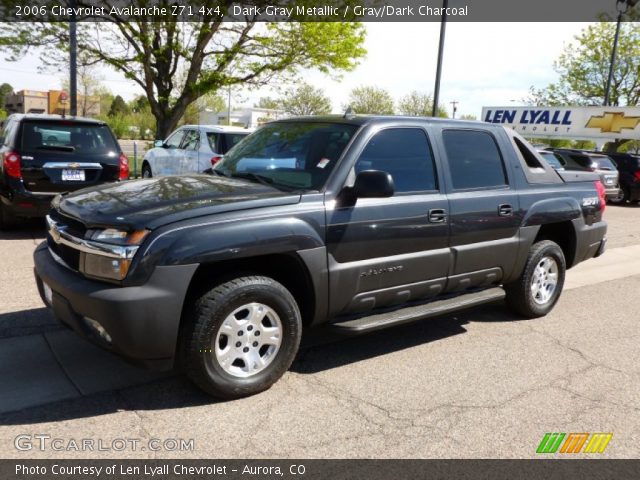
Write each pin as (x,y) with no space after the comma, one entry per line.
(191,149)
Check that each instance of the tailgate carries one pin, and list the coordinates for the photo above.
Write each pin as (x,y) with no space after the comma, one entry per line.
(65,155)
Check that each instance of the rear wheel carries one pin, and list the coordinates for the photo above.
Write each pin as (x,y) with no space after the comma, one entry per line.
(622,197)
(7,219)
(241,337)
(146,171)
(538,289)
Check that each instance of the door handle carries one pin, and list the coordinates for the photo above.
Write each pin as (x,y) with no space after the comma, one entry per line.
(505,210)
(437,215)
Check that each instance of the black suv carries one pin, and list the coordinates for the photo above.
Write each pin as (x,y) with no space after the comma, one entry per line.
(629,170)
(43,155)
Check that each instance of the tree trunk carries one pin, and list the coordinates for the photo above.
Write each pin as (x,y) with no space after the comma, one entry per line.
(164,126)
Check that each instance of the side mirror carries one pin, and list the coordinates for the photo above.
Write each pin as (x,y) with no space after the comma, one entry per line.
(158,143)
(373,184)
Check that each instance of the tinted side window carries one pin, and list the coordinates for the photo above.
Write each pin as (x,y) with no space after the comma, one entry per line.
(9,130)
(474,159)
(405,154)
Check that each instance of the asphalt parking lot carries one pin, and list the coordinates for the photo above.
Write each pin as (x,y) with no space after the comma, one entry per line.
(479,384)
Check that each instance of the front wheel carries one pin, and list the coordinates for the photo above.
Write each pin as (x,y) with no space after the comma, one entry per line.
(241,337)
(538,288)
(7,220)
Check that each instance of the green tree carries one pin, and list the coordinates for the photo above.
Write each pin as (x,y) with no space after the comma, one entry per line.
(118,107)
(417,104)
(306,100)
(139,104)
(175,63)
(268,102)
(468,116)
(210,102)
(5,89)
(89,87)
(370,100)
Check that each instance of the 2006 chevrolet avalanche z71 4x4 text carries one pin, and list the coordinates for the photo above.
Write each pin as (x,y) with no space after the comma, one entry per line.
(347,223)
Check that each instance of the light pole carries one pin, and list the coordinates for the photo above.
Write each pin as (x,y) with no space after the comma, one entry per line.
(454,107)
(73,67)
(623,7)
(436,90)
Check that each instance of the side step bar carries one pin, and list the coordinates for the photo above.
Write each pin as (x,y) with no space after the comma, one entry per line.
(417,312)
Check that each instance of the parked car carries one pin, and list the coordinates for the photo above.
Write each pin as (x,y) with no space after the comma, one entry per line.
(629,170)
(552,159)
(191,149)
(43,155)
(594,162)
(368,222)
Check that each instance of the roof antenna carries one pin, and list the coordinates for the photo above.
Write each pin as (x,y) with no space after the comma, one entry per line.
(348,114)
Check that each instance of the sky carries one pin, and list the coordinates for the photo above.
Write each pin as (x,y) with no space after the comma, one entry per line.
(485,64)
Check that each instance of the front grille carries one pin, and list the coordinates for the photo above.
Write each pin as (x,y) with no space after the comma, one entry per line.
(69,255)
(73,227)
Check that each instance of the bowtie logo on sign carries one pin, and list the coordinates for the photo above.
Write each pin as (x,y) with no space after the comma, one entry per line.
(613,122)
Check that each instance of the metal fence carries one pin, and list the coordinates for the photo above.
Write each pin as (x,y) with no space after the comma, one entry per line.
(135,150)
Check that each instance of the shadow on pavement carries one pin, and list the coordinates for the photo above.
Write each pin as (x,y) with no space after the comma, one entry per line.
(178,392)
(27,322)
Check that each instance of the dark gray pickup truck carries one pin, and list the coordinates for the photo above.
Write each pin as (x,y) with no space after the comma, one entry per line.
(346,223)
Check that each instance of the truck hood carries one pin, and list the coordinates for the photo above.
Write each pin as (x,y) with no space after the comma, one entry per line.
(154,202)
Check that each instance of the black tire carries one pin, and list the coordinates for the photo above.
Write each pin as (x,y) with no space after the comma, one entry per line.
(7,220)
(203,325)
(620,199)
(146,171)
(520,297)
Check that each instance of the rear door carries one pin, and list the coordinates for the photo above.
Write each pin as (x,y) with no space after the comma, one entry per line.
(64,155)
(387,251)
(484,208)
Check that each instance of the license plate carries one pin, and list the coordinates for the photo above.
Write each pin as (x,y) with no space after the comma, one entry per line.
(73,175)
(48,293)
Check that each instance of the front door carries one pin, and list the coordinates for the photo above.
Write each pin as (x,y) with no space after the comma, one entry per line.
(388,251)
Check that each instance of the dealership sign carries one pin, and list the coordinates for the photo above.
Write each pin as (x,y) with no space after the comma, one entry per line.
(568,122)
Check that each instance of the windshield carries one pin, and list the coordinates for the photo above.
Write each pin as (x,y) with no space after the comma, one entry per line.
(68,136)
(289,155)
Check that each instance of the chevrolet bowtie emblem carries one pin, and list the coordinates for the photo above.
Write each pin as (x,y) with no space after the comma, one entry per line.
(73,165)
(613,122)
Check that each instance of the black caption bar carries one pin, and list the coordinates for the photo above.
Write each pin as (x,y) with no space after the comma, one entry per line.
(314,11)
(318,469)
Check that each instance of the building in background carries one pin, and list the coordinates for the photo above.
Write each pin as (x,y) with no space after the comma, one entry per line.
(27,101)
(53,101)
(251,117)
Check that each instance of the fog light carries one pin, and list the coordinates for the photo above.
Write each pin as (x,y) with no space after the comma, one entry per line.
(98,329)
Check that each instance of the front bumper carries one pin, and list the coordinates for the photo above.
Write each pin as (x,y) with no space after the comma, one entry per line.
(142,322)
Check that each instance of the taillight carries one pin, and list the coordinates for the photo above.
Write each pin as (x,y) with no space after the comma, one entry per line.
(601,195)
(215,160)
(636,175)
(124,167)
(11,164)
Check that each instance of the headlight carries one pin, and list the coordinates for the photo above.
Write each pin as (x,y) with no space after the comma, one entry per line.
(114,250)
